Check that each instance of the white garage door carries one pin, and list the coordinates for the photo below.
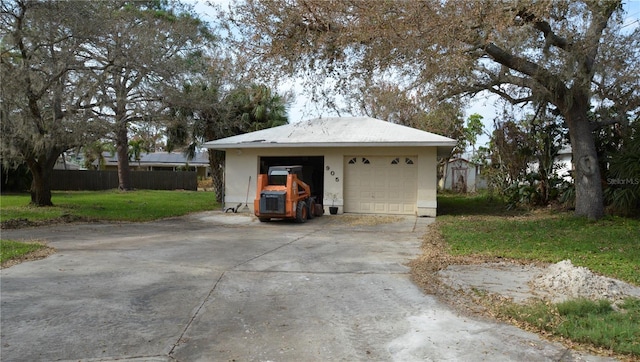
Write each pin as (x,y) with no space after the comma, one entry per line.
(381,185)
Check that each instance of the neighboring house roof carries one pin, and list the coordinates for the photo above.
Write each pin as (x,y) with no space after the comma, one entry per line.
(162,159)
(65,165)
(336,132)
(459,159)
(173,158)
(565,150)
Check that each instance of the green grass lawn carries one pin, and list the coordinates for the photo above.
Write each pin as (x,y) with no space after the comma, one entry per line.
(141,205)
(10,249)
(481,226)
(610,246)
(595,323)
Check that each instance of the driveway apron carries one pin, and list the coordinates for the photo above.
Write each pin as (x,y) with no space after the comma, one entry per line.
(222,287)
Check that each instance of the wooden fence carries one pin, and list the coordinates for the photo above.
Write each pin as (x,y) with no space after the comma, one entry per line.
(69,180)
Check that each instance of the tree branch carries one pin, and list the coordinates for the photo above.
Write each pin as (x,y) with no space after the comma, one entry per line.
(594,34)
(508,97)
(543,77)
(551,38)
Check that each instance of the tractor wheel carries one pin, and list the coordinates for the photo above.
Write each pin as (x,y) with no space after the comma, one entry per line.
(301,212)
(312,209)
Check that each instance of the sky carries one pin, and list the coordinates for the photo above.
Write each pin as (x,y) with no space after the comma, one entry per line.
(302,108)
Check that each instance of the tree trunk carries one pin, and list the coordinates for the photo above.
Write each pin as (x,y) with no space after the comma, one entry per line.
(41,188)
(216,162)
(122,153)
(40,169)
(589,198)
(445,168)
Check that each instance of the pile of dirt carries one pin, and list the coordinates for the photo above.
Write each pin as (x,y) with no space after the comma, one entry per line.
(482,285)
(562,281)
(459,280)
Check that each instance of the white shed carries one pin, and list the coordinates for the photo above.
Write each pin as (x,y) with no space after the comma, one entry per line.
(462,175)
(359,164)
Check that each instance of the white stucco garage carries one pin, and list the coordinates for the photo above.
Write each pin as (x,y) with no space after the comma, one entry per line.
(359,164)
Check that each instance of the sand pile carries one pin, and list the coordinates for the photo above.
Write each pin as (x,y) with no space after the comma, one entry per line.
(562,281)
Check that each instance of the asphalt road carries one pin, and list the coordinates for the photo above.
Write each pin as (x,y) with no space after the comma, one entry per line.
(224,287)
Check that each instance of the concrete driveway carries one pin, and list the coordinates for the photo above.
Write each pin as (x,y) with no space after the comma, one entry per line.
(223,287)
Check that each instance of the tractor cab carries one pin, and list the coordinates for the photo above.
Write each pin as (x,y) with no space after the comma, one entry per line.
(282,194)
(278,174)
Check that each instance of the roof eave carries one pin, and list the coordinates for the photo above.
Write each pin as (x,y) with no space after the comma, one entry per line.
(225,146)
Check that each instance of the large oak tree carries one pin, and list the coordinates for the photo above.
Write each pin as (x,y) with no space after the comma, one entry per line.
(146,47)
(74,72)
(575,55)
(47,85)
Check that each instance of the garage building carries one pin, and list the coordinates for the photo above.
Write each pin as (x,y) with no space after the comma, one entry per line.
(359,164)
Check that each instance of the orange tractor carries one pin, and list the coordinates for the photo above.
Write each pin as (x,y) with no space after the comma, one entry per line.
(281,194)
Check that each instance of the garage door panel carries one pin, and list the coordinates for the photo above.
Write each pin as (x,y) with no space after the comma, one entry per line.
(407,196)
(381,184)
(365,206)
(380,207)
(396,208)
(367,173)
(395,194)
(380,195)
(411,173)
(409,208)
